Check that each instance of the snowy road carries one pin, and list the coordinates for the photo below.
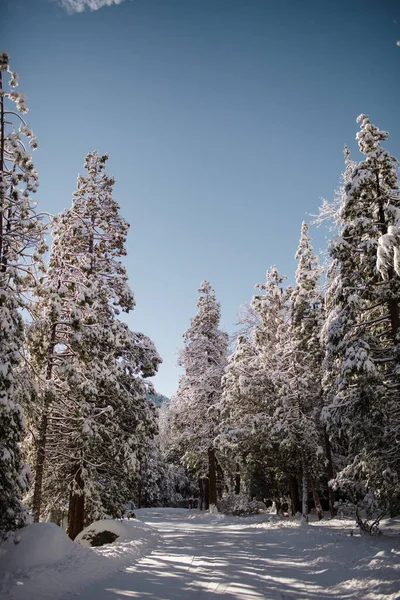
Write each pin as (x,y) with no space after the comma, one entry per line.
(207,556)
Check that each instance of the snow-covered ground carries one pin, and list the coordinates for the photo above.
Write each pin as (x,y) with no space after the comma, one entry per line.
(46,564)
(203,556)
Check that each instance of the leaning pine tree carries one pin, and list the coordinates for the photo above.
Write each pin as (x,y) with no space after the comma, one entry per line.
(20,237)
(362,331)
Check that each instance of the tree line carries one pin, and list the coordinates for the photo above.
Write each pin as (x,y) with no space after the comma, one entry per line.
(305,406)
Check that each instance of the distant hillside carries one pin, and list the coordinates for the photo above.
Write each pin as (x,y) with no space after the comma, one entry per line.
(158,399)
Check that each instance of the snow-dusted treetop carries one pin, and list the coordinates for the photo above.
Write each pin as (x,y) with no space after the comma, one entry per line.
(20,227)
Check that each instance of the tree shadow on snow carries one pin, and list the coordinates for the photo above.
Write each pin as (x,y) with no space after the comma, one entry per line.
(248,563)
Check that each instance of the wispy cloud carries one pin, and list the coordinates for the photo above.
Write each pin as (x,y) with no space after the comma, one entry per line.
(75,6)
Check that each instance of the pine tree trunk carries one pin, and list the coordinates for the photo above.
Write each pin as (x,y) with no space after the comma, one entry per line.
(41,451)
(140,487)
(317,502)
(76,509)
(330,473)
(304,509)
(237,479)
(294,495)
(220,481)
(394,317)
(206,485)
(201,494)
(212,477)
(39,469)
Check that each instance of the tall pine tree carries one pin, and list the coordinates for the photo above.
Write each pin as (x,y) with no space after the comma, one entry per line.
(362,329)
(195,403)
(20,237)
(93,399)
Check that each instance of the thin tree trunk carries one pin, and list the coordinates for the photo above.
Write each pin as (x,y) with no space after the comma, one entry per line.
(40,460)
(5,220)
(304,508)
(140,487)
(220,481)
(212,477)
(76,509)
(206,484)
(294,495)
(317,502)
(41,450)
(330,473)
(237,479)
(394,317)
(201,494)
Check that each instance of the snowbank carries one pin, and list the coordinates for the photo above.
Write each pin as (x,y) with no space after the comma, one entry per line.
(34,546)
(45,564)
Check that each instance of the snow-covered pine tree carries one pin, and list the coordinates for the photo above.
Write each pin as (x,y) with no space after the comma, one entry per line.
(58,310)
(362,329)
(277,352)
(306,362)
(284,348)
(20,237)
(335,446)
(244,412)
(176,485)
(98,418)
(271,304)
(164,481)
(194,405)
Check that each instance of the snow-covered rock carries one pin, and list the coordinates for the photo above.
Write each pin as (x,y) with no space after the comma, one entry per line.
(125,531)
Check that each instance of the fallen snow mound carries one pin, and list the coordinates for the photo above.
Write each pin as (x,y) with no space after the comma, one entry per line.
(121,531)
(34,546)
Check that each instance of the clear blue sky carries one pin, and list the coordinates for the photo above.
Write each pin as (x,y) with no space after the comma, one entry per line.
(225,122)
